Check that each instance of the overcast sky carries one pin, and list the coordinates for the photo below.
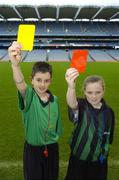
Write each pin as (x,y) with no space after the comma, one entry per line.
(61,2)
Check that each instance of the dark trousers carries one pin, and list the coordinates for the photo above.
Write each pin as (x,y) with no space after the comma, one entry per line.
(37,166)
(82,170)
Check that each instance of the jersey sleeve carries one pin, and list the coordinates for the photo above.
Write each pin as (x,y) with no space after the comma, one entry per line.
(112,127)
(75,115)
(59,128)
(24,103)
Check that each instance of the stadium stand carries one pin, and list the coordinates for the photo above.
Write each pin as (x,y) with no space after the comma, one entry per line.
(95,28)
(113,54)
(100,55)
(63,28)
(3,53)
(36,55)
(58,55)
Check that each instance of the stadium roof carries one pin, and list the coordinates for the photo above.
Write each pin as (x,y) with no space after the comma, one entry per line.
(40,12)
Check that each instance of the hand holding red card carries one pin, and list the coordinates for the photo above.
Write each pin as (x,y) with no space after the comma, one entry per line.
(79,60)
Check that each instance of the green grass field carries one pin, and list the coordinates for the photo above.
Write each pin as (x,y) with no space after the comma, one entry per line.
(11,129)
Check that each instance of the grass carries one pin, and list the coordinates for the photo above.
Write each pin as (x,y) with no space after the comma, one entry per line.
(11,128)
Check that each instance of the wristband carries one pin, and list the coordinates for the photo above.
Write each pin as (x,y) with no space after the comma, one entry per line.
(19,82)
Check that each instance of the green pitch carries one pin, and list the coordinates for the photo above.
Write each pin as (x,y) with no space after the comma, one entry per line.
(11,129)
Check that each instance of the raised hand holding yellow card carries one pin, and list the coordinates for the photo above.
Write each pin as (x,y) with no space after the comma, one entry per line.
(25,36)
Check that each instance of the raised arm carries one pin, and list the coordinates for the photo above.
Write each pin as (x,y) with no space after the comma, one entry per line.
(70,76)
(15,58)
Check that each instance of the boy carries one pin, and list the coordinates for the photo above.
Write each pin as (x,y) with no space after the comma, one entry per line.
(94,127)
(41,118)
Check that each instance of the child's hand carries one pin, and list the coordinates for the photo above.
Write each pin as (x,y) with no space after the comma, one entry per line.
(15,53)
(70,76)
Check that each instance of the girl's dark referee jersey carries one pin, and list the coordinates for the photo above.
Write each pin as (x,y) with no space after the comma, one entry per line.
(90,141)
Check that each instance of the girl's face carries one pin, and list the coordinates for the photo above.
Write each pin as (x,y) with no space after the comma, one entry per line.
(94,93)
(41,82)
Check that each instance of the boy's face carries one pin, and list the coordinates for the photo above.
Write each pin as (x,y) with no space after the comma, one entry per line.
(41,82)
(94,93)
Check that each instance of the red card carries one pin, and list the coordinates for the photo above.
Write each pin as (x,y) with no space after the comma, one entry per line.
(79,60)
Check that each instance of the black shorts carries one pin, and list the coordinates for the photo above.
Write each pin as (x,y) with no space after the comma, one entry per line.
(38,167)
(83,170)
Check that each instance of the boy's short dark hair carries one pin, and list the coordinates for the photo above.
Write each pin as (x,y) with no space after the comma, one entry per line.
(41,67)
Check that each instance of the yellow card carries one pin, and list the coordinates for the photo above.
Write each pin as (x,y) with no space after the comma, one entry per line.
(25,36)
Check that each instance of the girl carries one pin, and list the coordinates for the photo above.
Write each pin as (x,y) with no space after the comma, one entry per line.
(93,132)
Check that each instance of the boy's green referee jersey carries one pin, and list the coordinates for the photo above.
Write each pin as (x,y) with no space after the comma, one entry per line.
(42,121)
